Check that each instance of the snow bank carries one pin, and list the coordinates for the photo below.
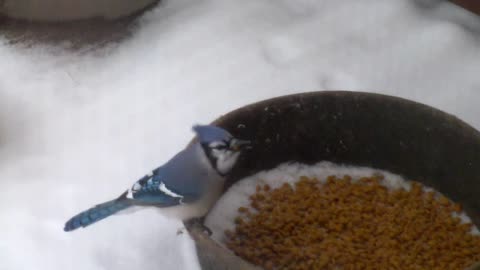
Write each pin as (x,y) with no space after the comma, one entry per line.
(77,128)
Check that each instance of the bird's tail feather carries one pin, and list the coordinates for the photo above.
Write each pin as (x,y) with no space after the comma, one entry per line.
(97,213)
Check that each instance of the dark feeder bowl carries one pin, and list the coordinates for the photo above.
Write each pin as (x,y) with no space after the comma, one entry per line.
(363,129)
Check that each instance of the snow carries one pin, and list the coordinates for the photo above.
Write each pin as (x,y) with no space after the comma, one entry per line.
(79,127)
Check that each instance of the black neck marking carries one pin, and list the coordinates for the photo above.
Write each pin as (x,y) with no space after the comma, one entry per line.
(213,160)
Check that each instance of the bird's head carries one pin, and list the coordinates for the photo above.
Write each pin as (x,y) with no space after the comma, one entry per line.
(220,147)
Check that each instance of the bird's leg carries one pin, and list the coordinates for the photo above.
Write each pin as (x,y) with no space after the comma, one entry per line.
(198,223)
(206,230)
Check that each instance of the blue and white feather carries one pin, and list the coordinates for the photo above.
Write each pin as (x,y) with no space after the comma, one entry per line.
(188,184)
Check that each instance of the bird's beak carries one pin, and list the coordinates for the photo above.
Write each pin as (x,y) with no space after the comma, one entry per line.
(238,145)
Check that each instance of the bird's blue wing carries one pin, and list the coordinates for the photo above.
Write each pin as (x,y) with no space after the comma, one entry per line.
(152,190)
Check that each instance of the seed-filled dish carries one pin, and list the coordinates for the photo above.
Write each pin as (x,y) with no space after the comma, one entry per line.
(345,221)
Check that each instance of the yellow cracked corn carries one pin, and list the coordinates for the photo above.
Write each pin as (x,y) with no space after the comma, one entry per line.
(348,225)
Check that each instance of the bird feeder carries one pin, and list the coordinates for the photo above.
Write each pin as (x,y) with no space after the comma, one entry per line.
(362,129)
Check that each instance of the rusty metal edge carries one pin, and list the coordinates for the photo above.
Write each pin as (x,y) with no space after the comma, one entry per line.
(470,5)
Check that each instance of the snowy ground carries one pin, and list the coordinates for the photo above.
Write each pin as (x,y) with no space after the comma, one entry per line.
(78,128)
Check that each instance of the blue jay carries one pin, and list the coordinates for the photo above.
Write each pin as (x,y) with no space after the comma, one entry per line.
(188,184)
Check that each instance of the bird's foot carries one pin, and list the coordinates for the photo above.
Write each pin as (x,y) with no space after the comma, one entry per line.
(197,222)
(206,230)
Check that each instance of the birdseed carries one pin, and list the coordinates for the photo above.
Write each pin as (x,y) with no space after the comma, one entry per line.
(345,224)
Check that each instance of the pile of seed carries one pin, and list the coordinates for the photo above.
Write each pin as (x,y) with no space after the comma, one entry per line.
(345,224)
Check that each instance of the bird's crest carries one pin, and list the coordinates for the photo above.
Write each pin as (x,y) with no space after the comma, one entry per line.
(209,133)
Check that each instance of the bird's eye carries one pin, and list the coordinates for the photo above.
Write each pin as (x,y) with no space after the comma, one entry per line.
(220,147)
